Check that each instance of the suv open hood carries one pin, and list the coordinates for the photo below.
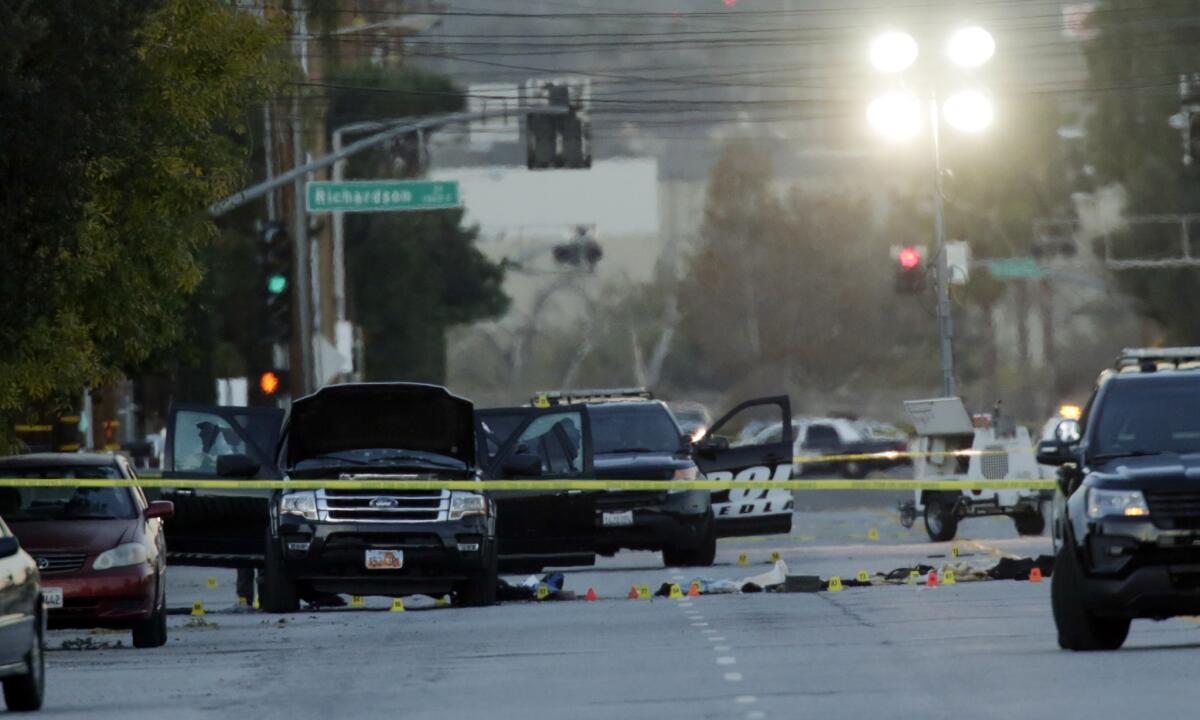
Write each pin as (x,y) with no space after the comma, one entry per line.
(400,416)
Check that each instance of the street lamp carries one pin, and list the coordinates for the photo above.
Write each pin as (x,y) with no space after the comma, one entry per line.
(896,115)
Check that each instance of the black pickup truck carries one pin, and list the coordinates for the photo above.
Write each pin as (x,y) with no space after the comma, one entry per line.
(1127,517)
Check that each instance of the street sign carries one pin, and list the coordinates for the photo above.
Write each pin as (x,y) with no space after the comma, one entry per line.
(381,195)
(1013,268)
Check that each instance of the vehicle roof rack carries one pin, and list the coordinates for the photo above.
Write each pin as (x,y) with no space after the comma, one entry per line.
(547,398)
(1153,359)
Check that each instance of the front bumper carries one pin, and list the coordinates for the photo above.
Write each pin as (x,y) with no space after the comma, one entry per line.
(115,598)
(1135,569)
(659,520)
(330,557)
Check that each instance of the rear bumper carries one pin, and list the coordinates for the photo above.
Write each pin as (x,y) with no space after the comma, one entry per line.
(330,557)
(659,520)
(115,598)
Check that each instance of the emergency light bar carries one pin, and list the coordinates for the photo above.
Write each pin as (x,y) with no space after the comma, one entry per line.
(1150,358)
(566,397)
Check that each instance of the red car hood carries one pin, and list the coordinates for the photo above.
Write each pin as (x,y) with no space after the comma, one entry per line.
(81,536)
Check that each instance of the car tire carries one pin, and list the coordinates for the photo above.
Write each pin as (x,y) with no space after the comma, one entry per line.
(152,632)
(1078,629)
(703,555)
(941,524)
(480,590)
(25,693)
(1032,523)
(277,592)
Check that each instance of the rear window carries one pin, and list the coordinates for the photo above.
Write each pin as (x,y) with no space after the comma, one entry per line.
(1157,416)
(648,428)
(65,503)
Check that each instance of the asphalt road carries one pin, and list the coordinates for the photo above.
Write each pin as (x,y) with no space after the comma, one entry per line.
(978,650)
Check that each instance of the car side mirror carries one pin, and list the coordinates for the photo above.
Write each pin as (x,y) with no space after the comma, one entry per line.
(9,547)
(236,466)
(522,465)
(713,444)
(1054,452)
(160,509)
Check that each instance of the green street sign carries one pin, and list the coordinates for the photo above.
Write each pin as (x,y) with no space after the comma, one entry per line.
(382,195)
(1015,268)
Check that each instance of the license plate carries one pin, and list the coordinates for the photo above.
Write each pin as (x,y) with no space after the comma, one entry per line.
(52,597)
(385,559)
(617,519)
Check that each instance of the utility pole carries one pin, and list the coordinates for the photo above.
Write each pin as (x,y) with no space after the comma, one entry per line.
(945,316)
(300,251)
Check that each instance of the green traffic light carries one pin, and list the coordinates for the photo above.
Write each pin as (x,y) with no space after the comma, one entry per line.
(276,284)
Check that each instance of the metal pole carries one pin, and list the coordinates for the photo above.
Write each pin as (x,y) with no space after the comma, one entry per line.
(300,250)
(944,317)
(269,152)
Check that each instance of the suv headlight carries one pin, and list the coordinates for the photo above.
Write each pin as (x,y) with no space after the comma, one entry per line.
(121,556)
(303,504)
(1116,503)
(463,504)
(686,473)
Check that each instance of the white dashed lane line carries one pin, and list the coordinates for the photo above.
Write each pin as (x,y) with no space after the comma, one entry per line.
(733,676)
(727,660)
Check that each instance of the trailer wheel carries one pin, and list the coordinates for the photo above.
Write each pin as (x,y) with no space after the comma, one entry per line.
(1030,523)
(941,524)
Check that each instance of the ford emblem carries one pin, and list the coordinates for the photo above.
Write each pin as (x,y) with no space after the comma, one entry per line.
(384,503)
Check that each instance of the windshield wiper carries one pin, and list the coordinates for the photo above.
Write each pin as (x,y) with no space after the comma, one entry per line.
(338,458)
(629,450)
(454,465)
(1128,454)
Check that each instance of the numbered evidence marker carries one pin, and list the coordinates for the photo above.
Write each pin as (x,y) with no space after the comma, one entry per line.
(356,601)
(948,576)
(643,592)
(872,534)
(835,584)
(863,576)
(676,592)
(197,609)
(397,605)
(953,551)
(775,556)
(543,591)
(743,559)
(912,577)
(212,583)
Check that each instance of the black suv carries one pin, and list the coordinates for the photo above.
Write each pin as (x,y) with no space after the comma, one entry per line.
(1127,520)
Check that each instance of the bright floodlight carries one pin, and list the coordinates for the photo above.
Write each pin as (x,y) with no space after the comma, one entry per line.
(893,51)
(896,115)
(971,47)
(969,111)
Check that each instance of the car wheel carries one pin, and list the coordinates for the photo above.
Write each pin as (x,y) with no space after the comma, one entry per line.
(703,555)
(854,470)
(480,590)
(1078,629)
(277,592)
(152,632)
(941,524)
(1032,523)
(24,693)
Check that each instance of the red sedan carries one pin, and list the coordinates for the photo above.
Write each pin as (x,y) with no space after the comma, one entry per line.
(100,550)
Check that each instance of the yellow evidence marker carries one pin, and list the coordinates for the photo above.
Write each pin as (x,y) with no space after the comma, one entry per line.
(863,576)
(775,556)
(543,591)
(197,609)
(953,551)
(912,577)
(643,592)
(676,592)
(872,534)
(397,605)
(835,584)
(212,583)
(948,576)
(743,559)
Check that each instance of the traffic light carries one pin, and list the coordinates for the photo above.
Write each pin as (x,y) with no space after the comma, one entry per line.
(275,246)
(579,250)
(269,382)
(559,140)
(910,269)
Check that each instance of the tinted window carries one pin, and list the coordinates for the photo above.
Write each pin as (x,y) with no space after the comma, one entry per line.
(1150,416)
(66,503)
(822,436)
(558,440)
(648,428)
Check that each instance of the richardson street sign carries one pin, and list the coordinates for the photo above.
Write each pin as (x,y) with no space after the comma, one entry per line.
(381,195)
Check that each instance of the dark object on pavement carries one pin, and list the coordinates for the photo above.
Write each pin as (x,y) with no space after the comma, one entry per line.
(802,583)
(1019,568)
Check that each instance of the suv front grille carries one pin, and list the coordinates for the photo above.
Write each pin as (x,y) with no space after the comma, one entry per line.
(1175,510)
(402,506)
(50,563)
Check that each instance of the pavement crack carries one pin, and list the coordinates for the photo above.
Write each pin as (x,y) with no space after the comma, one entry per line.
(847,611)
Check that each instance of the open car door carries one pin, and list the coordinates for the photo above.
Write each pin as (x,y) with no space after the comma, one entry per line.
(539,528)
(221,528)
(765,457)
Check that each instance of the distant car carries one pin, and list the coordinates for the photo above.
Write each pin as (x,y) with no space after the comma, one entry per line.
(838,436)
(22,627)
(693,418)
(100,550)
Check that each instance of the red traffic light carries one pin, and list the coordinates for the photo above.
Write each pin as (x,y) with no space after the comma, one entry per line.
(268,383)
(910,257)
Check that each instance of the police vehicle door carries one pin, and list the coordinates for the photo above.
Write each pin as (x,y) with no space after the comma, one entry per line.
(750,512)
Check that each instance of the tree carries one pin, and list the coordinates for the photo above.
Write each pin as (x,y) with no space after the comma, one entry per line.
(1139,50)
(120,123)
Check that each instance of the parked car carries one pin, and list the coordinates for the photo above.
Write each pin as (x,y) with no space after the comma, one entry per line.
(22,627)
(693,418)
(837,436)
(100,550)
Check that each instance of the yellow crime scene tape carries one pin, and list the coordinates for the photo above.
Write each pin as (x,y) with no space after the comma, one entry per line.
(900,454)
(543,484)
